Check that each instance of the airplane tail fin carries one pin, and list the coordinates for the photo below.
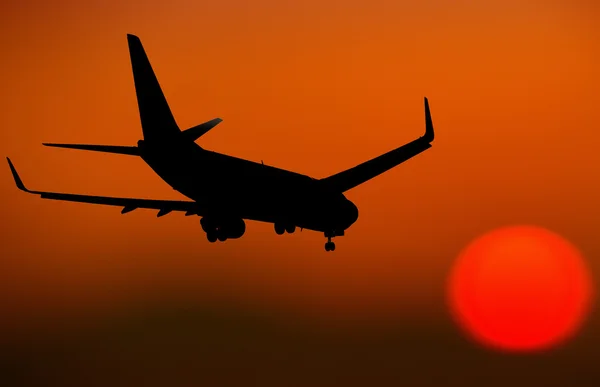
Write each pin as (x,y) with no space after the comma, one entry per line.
(157,120)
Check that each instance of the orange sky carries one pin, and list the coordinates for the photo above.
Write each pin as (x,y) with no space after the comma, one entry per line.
(514,97)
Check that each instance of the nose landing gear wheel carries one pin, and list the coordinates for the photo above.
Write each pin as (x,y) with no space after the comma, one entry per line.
(329,246)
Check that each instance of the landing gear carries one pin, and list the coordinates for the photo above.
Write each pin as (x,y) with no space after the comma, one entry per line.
(215,234)
(221,235)
(211,235)
(282,228)
(329,246)
(279,228)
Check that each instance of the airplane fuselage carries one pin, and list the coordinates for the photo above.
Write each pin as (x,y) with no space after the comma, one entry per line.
(225,190)
(236,188)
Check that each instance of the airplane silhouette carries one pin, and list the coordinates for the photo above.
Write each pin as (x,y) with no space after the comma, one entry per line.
(227,190)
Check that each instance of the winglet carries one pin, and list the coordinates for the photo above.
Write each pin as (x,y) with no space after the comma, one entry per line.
(18,180)
(429,133)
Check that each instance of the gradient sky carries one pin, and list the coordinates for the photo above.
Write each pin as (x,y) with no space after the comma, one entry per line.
(311,86)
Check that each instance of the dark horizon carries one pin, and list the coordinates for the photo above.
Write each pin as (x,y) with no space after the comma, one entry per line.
(185,343)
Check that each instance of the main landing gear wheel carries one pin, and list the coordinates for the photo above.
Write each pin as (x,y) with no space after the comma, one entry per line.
(329,246)
(279,228)
(214,235)
(221,235)
(282,228)
(211,235)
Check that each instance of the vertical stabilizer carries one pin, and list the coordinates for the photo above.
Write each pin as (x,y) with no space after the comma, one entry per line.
(157,120)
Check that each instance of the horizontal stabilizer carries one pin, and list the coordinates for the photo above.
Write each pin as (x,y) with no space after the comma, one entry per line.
(122,150)
(198,131)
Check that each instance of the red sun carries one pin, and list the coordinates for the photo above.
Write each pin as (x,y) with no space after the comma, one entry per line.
(520,288)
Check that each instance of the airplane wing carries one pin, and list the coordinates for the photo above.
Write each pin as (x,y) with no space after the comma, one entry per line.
(128,204)
(353,177)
